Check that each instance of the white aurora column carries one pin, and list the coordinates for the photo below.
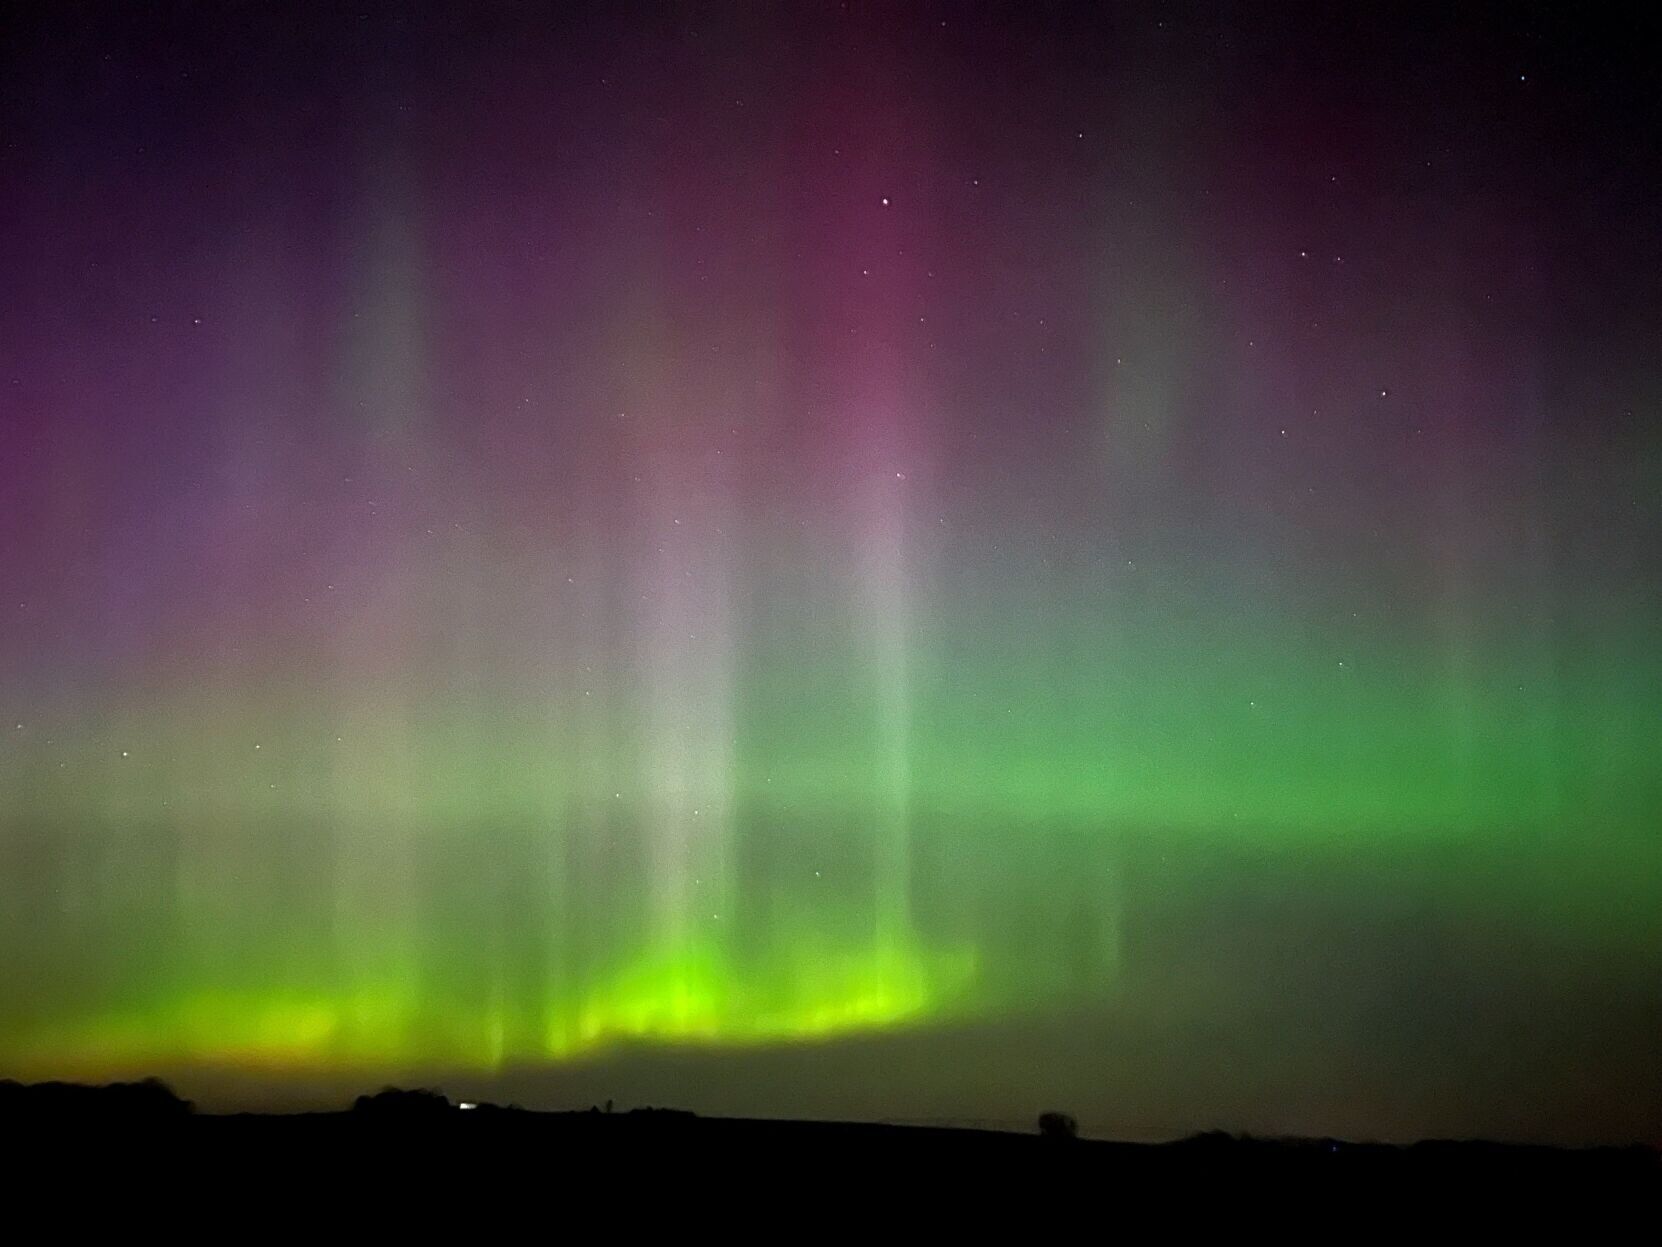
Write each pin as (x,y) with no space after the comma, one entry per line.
(885,614)
(687,638)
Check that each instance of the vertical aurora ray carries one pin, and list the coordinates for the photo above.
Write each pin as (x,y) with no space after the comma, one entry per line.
(883,590)
(687,766)
(884,466)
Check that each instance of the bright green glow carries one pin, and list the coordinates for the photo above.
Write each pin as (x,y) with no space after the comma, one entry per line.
(476,883)
(694,994)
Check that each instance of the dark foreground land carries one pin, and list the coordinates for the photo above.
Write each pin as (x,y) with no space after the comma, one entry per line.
(420,1151)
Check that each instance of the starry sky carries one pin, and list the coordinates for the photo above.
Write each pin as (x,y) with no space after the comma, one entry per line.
(913,561)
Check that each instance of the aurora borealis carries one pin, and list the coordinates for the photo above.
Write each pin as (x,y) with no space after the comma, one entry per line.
(918,560)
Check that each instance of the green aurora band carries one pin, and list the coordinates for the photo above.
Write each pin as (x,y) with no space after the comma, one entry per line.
(441,886)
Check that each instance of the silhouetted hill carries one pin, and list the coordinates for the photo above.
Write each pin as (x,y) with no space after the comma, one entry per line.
(402,1135)
(149,1100)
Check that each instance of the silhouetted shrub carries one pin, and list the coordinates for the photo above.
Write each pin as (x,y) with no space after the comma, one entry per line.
(1058,1126)
(397,1102)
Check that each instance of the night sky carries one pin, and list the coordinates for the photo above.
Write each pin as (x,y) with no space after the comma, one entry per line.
(925,561)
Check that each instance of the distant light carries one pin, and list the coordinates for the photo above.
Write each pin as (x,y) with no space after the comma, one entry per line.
(467,1104)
